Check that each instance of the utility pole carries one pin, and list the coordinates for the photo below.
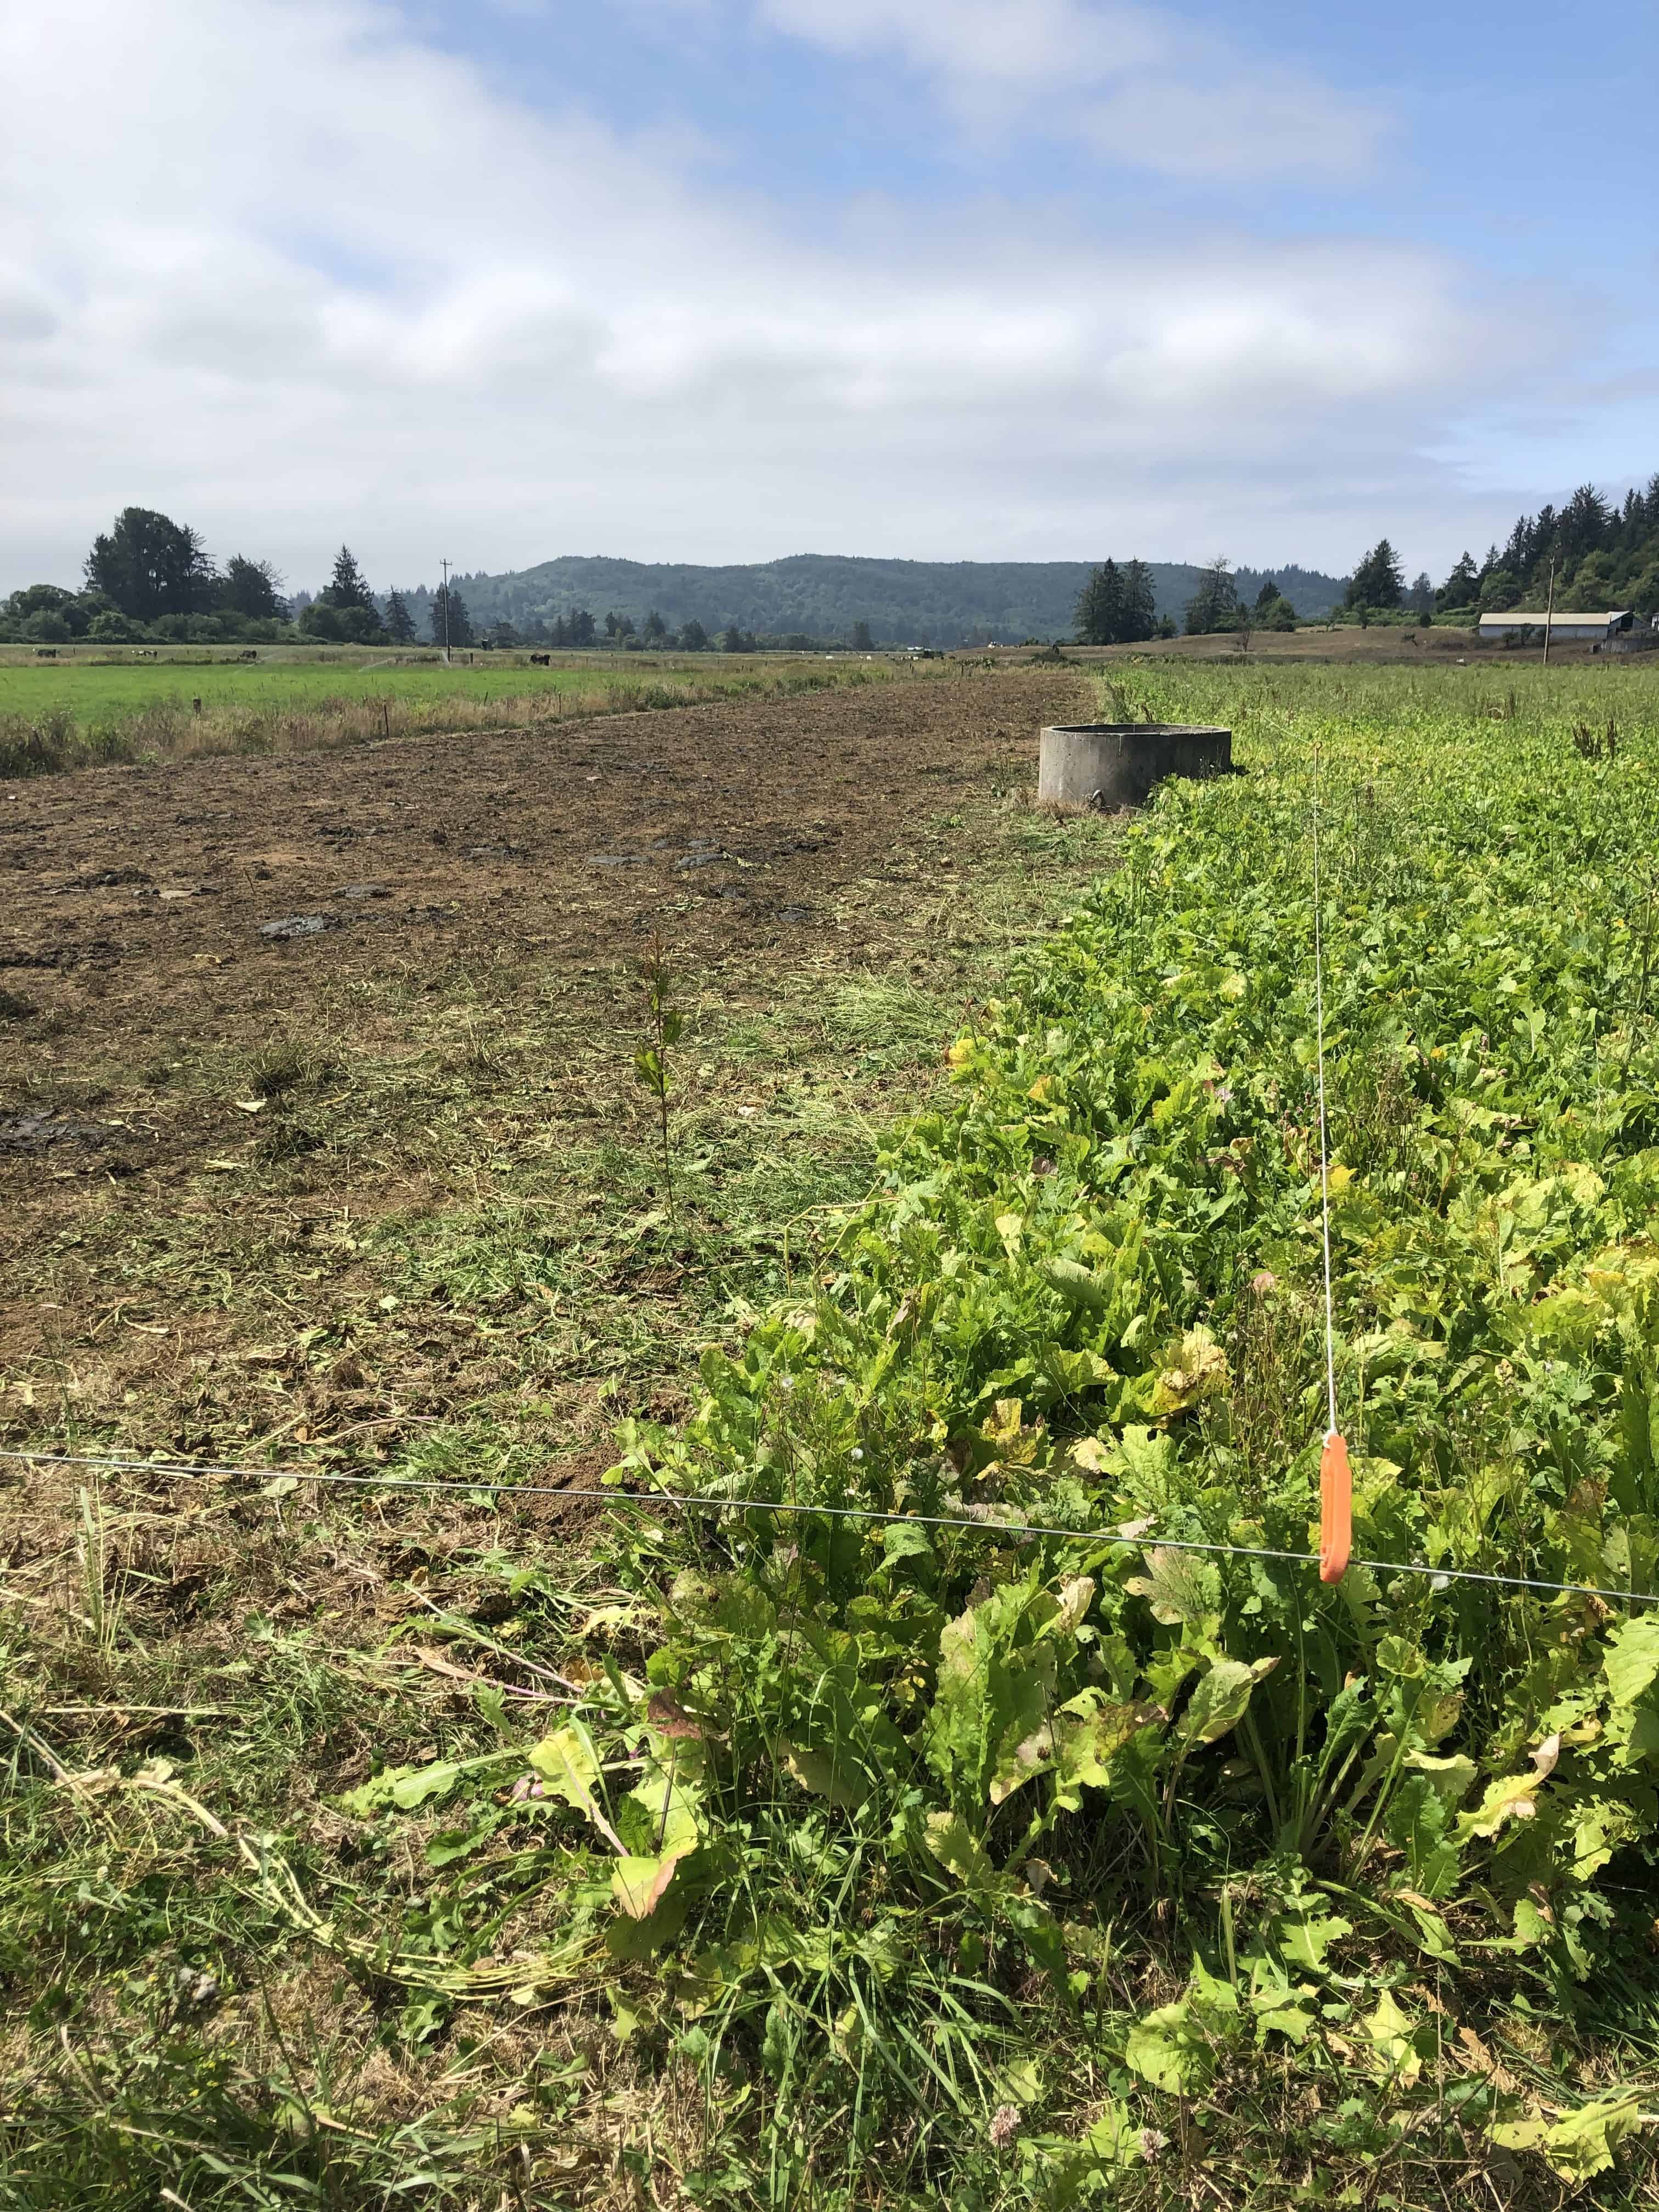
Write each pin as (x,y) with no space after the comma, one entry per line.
(1549,618)
(444,565)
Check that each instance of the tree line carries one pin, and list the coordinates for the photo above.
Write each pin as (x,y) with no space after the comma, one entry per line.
(1116,606)
(148,581)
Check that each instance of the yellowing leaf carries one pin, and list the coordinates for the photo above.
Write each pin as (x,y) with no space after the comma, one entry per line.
(1581,2145)
(1219,1702)
(1028,1757)
(1198,1370)
(1513,1797)
(1390,2033)
(957,1850)
(570,1766)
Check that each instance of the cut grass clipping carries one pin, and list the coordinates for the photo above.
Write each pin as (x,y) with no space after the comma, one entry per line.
(906,1865)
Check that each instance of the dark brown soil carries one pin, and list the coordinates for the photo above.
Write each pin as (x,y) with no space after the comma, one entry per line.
(766,840)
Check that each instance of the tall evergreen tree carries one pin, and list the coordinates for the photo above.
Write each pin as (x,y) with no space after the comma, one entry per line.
(399,622)
(252,588)
(1378,581)
(451,623)
(346,586)
(1214,605)
(1100,607)
(1461,589)
(1139,605)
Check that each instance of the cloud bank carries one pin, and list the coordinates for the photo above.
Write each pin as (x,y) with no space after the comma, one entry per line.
(286,272)
(1137,84)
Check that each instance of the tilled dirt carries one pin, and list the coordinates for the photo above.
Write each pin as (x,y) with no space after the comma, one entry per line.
(216,897)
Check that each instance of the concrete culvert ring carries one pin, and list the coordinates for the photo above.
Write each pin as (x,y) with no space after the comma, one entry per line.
(1099,766)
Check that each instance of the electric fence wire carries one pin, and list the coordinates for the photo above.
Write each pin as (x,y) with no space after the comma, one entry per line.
(694,1501)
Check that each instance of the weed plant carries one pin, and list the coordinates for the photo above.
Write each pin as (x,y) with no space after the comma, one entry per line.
(899,1814)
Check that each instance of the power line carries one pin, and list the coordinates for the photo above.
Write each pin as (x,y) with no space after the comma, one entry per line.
(195,1471)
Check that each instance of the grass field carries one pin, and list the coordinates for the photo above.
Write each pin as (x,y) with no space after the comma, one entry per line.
(82,710)
(472,1848)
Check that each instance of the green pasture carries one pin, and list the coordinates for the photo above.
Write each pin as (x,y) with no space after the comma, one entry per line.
(102,696)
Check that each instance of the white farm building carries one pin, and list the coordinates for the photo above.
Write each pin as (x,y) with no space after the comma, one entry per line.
(1563,628)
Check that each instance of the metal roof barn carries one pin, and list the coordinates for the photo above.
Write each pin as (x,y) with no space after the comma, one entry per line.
(1565,629)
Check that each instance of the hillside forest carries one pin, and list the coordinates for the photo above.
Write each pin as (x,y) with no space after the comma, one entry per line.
(149,580)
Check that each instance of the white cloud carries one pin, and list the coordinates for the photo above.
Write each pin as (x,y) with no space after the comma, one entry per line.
(283,270)
(1137,84)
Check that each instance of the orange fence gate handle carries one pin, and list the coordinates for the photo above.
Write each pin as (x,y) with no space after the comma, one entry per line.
(1335,1509)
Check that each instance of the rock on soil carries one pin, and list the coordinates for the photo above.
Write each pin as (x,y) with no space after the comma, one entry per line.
(300,925)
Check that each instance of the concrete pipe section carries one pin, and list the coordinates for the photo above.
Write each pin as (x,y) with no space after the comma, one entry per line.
(1101,766)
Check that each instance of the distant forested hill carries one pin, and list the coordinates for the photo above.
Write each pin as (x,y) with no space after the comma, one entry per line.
(822,595)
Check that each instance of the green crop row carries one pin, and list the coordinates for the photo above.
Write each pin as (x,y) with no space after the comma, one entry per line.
(973,1861)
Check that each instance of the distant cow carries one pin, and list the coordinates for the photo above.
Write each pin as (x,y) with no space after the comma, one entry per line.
(249,655)
(540,660)
(46,653)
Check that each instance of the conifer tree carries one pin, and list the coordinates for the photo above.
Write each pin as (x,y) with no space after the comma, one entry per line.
(346,587)
(1100,606)
(1378,581)
(1139,605)
(1214,604)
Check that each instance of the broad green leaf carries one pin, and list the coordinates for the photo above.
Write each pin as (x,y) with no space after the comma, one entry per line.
(1305,1942)
(1632,1662)
(1420,1819)
(1180,1586)
(403,1787)
(1221,1699)
(823,1774)
(902,1540)
(1079,1286)
(661,1810)
(1292,2013)
(1172,2049)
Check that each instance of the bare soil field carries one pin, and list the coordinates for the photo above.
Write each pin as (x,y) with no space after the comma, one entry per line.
(241,991)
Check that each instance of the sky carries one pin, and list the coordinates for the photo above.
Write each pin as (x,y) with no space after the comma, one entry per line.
(725,279)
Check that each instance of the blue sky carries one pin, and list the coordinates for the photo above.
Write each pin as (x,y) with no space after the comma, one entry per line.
(727,279)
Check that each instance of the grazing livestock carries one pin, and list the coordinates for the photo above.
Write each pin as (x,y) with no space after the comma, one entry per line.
(540,660)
